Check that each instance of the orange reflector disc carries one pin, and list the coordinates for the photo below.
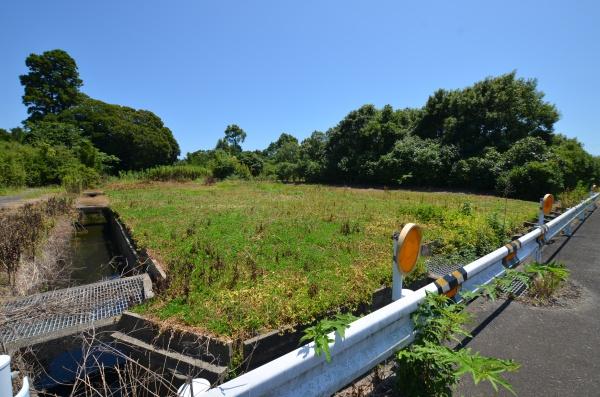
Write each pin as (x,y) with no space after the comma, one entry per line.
(548,203)
(409,247)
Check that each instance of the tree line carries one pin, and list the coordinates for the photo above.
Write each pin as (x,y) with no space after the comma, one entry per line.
(494,136)
(72,139)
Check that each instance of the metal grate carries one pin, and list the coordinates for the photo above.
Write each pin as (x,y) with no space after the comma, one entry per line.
(439,268)
(515,288)
(40,314)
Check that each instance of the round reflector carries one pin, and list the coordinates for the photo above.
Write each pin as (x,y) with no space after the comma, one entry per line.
(409,247)
(548,203)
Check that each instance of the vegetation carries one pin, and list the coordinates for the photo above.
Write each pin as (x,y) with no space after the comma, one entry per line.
(137,138)
(245,257)
(319,333)
(22,231)
(428,367)
(496,135)
(72,139)
(178,173)
(542,281)
(52,84)
(546,279)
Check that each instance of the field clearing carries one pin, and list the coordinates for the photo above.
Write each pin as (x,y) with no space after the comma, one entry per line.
(247,257)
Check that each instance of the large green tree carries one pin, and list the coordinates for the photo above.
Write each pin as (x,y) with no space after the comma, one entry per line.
(52,84)
(356,144)
(235,136)
(137,137)
(495,112)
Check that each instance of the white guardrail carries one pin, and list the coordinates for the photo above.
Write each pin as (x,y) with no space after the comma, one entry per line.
(376,336)
(370,339)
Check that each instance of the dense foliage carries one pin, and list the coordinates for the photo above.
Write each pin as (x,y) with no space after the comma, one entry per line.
(52,84)
(73,140)
(495,136)
(137,137)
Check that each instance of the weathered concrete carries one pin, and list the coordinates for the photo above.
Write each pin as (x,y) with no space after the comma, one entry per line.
(202,347)
(558,347)
(266,347)
(172,365)
(133,256)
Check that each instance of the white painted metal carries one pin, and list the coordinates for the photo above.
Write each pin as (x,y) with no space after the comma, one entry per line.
(5,377)
(6,380)
(538,253)
(396,276)
(199,386)
(24,392)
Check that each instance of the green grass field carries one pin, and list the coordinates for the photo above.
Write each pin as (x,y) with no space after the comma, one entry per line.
(247,257)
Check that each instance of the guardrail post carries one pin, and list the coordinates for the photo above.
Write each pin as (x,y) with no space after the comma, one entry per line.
(538,252)
(5,376)
(396,276)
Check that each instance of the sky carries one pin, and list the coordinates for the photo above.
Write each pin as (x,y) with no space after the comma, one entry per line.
(300,66)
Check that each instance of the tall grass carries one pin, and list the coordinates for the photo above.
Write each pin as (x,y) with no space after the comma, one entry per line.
(570,198)
(244,257)
(177,173)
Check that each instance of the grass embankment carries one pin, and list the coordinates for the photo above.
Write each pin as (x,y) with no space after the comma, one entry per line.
(30,193)
(245,257)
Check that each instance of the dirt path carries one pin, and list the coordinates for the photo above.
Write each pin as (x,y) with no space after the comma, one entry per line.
(23,197)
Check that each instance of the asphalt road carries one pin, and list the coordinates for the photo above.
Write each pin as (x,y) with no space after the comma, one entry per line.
(558,347)
(8,200)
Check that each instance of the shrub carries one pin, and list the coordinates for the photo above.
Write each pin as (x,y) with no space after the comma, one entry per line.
(429,367)
(224,164)
(572,197)
(286,171)
(547,279)
(253,161)
(178,172)
(78,177)
(532,180)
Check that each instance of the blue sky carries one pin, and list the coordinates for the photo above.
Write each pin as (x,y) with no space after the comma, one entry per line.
(275,66)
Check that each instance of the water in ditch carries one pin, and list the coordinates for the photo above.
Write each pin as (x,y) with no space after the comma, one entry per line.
(94,254)
(94,257)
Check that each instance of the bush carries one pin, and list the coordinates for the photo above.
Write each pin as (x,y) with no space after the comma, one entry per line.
(79,177)
(175,173)
(223,165)
(477,172)
(286,171)
(12,169)
(532,180)
(253,161)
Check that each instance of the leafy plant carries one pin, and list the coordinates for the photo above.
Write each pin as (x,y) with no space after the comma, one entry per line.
(430,368)
(511,275)
(546,278)
(489,290)
(319,333)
